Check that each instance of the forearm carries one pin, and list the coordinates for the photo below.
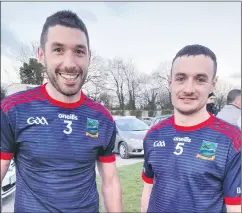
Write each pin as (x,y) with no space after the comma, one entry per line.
(233,208)
(145,202)
(112,195)
(145,199)
(4,168)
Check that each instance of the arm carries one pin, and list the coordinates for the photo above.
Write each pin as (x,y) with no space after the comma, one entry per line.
(146,196)
(148,178)
(7,144)
(232,180)
(110,184)
(233,208)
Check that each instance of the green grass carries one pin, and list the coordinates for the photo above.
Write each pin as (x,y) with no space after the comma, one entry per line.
(132,186)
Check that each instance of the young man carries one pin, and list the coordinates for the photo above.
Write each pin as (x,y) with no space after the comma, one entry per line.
(192,160)
(56,134)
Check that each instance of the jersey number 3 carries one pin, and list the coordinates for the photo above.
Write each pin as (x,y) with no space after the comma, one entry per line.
(179,149)
(68,129)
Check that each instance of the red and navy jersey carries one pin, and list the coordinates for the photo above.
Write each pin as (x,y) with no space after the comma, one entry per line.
(193,169)
(55,146)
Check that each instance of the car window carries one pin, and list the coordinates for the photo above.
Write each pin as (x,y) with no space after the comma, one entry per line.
(131,125)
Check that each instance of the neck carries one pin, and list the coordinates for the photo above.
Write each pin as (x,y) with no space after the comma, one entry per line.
(234,104)
(191,120)
(55,94)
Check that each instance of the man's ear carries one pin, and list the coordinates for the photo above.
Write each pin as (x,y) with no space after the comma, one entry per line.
(41,56)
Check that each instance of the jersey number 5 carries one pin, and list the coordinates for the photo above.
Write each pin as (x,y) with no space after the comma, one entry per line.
(68,129)
(179,149)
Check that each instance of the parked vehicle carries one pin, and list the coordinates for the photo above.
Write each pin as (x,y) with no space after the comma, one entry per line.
(9,181)
(129,137)
(148,120)
(160,118)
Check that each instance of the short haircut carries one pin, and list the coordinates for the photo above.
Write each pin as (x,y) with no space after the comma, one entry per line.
(232,95)
(211,95)
(64,18)
(196,49)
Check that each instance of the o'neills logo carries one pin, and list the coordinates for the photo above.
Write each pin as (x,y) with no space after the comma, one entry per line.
(183,139)
(69,117)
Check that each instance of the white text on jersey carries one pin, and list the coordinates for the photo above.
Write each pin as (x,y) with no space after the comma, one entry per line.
(159,144)
(238,190)
(68,117)
(184,139)
(37,120)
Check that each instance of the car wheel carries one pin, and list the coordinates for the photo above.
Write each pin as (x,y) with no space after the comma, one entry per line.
(123,151)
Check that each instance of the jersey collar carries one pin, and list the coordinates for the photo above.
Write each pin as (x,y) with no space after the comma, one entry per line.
(192,128)
(59,103)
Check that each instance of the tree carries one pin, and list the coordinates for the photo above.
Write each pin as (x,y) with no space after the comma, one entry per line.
(3,93)
(95,83)
(161,78)
(32,72)
(221,90)
(132,84)
(115,72)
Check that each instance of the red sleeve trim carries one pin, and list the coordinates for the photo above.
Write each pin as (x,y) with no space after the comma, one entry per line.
(107,159)
(146,179)
(6,156)
(232,200)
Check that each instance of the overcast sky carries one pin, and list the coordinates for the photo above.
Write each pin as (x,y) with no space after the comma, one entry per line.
(148,32)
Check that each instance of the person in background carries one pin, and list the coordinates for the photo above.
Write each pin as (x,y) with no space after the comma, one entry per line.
(232,111)
(211,107)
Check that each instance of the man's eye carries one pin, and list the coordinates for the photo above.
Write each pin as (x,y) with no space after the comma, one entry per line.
(58,49)
(80,52)
(179,79)
(201,80)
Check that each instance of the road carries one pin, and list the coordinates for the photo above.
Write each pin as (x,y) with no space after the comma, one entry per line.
(8,202)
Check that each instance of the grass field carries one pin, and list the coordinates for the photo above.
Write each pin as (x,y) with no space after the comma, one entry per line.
(132,185)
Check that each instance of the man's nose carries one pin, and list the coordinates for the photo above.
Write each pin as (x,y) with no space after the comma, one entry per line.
(69,60)
(189,87)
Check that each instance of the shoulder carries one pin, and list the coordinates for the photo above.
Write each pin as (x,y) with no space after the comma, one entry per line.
(229,131)
(98,108)
(20,98)
(163,125)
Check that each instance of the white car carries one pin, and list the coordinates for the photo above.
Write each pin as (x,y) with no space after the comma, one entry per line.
(9,181)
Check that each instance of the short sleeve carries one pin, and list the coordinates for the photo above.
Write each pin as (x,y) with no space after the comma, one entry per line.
(232,181)
(106,154)
(147,174)
(7,137)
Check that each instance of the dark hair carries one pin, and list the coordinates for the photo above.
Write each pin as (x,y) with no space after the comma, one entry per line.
(211,94)
(64,18)
(233,94)
(195,50)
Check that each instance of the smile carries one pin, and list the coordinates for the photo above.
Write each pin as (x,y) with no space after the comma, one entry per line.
(69,76)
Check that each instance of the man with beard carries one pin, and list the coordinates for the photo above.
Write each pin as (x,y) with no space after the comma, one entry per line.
(211,104)
(56,134)
(192,160)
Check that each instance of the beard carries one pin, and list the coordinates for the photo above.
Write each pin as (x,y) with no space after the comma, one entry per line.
(189,111)
(57,80)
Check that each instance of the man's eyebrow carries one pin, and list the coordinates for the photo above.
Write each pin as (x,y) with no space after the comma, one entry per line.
(57,44)
(179,73)
(82,46)
(202,75)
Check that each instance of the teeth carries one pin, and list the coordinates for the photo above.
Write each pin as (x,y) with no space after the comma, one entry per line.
(69,77)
